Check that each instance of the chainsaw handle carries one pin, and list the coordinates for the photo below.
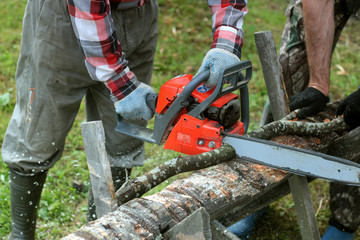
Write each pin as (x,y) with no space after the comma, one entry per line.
(151,98)
(239,82)
(244,106)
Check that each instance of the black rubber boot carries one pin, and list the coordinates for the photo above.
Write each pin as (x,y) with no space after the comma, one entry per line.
(25,193)
(119,176)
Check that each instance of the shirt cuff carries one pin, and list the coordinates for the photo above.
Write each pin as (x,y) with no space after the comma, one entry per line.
(228,38)
(122,84)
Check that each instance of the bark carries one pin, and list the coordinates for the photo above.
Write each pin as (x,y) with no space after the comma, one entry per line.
(291,127)
(218,189)
(235,186)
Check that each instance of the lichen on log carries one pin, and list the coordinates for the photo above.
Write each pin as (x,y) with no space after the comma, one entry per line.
(287,126)
(137,186)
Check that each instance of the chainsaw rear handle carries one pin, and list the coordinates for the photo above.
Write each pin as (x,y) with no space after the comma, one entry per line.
(240,82)
(244,105)
(151,100)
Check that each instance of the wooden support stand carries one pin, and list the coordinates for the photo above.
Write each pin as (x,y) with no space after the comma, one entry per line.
(99,167)
(199,226)
(278,102)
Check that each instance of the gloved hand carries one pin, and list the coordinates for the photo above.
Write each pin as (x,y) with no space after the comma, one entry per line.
(350,107)
(133,106)
(310,102)
(216,60)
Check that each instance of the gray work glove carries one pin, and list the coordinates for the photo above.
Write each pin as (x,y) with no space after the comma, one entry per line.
(216,60)
(310,102)
(350,107)
(133,106)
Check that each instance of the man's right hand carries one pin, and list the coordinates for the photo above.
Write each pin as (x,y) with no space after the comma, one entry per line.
(310,102)
(350,107)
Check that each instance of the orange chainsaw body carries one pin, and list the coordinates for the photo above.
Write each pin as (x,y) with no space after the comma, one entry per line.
(188,134)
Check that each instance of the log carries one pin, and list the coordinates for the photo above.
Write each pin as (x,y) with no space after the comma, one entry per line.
(235,186)
(217,189)
(347,145)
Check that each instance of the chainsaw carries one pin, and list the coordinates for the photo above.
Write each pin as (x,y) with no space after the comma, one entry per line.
(192,118)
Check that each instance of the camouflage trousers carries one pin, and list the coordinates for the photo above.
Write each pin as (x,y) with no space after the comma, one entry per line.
(344,200)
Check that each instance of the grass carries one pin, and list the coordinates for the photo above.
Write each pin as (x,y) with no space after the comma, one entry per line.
(185,37)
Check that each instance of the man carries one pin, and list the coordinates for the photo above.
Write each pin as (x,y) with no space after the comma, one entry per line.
(323,21)
(315,75)
(311,33)
(117,40)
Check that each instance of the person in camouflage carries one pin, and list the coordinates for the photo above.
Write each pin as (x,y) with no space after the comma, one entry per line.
(301,68)
(305,62)
(293,56)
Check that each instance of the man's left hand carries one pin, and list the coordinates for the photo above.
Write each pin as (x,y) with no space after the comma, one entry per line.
(134,106)
(310,102)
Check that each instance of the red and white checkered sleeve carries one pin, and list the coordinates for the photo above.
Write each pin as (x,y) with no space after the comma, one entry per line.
(227,18)
(94,28)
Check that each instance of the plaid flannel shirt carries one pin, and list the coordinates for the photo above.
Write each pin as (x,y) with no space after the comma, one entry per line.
(104,59)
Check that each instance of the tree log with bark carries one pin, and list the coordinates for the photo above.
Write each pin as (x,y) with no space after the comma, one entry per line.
(232,188)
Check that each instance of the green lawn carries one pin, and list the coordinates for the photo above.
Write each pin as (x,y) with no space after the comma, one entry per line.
(185,37)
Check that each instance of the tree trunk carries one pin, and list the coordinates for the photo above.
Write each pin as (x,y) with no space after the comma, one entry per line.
(235,186)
